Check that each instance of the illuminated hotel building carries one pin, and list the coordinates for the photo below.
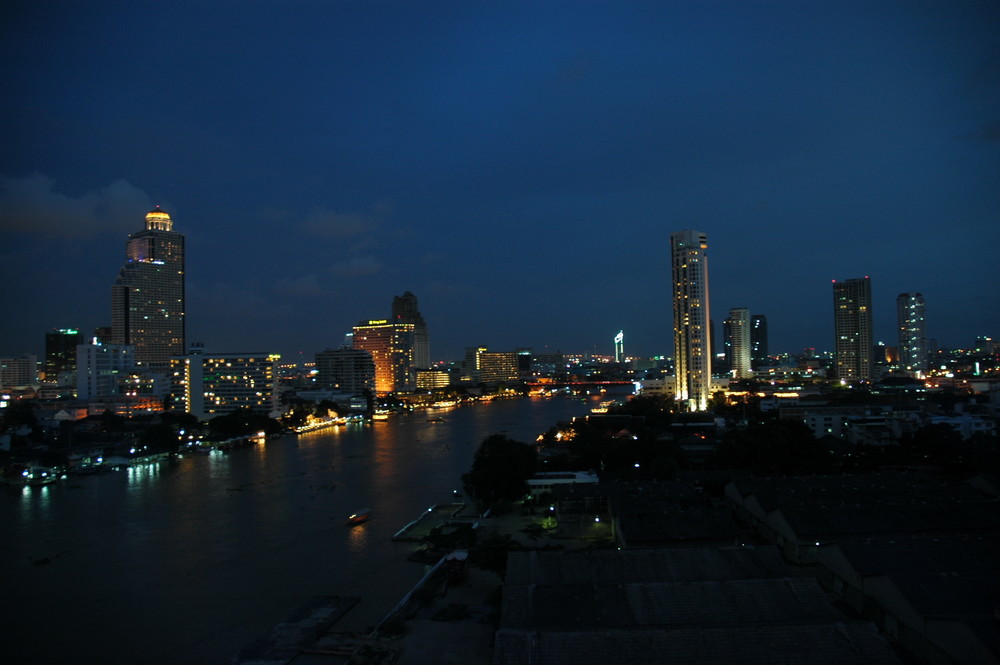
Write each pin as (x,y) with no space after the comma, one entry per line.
(852,321)
(912,333)
(214,384)
(692,348)
(147,299)
(391,347)
(737,334)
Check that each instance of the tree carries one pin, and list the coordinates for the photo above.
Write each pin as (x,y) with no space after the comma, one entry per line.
(499,471)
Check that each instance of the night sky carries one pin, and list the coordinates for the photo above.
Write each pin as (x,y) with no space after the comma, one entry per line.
(517,166)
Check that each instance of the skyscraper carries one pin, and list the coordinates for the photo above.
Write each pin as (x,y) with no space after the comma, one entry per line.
(692,348)
(852,321)
(758,341)
(60,352)
(147,299)
(737,327)
(912,334)
(404,310)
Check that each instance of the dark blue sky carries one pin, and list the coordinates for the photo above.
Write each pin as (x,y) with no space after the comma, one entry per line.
(517,166)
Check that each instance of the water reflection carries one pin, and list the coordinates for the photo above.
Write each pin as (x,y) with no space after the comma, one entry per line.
(140,475)
(357,538)
(36,501)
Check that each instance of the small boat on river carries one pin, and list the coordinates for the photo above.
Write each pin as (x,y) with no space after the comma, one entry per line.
(360,517)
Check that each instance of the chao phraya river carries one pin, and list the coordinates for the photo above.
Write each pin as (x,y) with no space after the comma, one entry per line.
(191,561)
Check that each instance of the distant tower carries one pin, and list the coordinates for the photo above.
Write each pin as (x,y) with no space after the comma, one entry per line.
(912,333)
(692,348)
(852,321)
(620,346)
(758,341)
(147,299)
(404,310)
(60,352)
(738,343)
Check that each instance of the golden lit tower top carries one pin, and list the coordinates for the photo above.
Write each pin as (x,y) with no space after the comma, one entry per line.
(158,220)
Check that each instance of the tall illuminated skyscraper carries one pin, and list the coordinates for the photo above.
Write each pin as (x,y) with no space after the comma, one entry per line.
(147,299)
(852,321)
(912,334)
(737,342)
(692,346)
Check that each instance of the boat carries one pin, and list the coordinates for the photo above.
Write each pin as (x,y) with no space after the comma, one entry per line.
(360,517)
(435,419)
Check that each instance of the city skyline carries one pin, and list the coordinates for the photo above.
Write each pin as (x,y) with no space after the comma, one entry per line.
(518,167)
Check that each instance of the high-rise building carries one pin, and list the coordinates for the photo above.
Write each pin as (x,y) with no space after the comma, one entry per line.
(758,341)
(852,321)
(214,384)
(60,352)
(404,310)
(391,348)
(620,346)
(737,343)
(912,333)
(147,299)
(345,370)
(692,346)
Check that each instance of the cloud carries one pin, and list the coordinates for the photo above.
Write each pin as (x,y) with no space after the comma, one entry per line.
(330,224)
(30,205)
(357,267)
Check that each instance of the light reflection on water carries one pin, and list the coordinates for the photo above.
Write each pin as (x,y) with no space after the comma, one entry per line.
(202,555)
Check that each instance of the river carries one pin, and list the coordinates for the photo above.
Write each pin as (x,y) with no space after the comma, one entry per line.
(190,561)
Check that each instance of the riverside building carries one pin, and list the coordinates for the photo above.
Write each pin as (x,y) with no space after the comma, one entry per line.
(692,346)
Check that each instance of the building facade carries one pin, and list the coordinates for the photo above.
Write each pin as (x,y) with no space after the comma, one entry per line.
(404,310)
(60,352)
(738,346)
(18,372)
(692,346)
(147,299)
(912,332)
(345,370)
(852,320)
(214,384)
(101,370)
(391,347)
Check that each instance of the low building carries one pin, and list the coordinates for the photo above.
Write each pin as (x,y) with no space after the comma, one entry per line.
(213,384)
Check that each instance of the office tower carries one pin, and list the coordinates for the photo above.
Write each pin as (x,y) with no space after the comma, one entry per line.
(620,346)
(758,341)
(345,370)
(404,310)
(912,332)
(692,348)
(214,384)
(737,333)
(391,347)
(101,370)
(852,321)
(147,301)
(60,352)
